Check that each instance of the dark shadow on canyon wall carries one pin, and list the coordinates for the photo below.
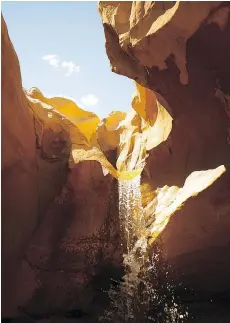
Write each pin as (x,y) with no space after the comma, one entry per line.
(191,145)
(69,260)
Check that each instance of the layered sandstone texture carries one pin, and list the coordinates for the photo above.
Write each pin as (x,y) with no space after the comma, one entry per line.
(180,52)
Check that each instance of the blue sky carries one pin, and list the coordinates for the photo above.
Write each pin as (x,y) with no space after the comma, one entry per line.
(61,49)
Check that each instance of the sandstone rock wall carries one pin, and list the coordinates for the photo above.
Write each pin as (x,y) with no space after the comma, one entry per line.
(77,240)
(20,210)
(180,51)
(60,223)
(59,202)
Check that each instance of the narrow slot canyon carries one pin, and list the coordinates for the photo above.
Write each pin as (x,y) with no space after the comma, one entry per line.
(124,218)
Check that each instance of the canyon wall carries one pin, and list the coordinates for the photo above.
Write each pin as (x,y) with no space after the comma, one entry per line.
(59,211)
(20,214)
(60,164)
(180,51)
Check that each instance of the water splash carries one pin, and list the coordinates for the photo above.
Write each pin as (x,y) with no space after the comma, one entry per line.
(146,293)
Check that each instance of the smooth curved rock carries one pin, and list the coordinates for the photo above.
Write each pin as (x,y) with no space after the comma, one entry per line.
(20,213)
(85,121)
(108,134)
(59,198)
(151,32)
(59,223)
(147,125)
(180,51)
(77,240)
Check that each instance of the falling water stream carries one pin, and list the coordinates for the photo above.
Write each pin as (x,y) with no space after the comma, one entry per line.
(146,294)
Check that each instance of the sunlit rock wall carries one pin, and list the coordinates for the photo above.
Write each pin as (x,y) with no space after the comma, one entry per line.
(60,225)
(180,51)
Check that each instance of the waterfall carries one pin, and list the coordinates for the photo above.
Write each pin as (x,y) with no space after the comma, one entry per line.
(131,212)
(146,294)
(132,227)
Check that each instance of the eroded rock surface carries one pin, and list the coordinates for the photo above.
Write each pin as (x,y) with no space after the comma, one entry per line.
(20,214)
(77,240)
(59,211)
(60,164)
(180,51)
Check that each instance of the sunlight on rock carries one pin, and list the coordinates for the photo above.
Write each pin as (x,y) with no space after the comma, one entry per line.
(86,122)
(96,154)
(169,200)
(48,118)
(151,25)
(145,104)
(85,199)
(108,132)
(132,134)
(147,125)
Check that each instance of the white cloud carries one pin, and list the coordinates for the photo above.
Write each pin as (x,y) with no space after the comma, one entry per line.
(71,67)
(53,60)
(68,66)
(89,100)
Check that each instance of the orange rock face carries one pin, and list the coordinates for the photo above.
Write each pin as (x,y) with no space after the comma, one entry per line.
(60,164)
(77,240)
(20,211)
(181,52)
(59,211)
